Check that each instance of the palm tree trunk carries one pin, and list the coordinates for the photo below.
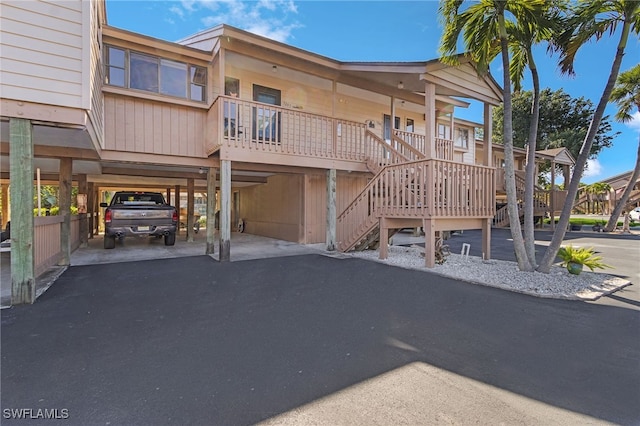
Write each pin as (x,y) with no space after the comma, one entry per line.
(529,184)
(509,166)
(558,236)
(613,220)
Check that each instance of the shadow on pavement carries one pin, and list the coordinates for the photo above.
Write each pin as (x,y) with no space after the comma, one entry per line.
(194,341)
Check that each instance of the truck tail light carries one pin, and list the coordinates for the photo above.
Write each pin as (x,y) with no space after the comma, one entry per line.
(175,216)
(107,216)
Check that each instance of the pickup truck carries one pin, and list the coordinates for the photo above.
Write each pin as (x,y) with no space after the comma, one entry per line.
(139,214)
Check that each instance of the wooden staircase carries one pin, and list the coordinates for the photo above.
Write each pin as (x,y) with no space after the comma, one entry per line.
(541,204)
(408,188)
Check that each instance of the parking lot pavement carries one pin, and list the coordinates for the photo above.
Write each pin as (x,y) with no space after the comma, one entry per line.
(311,339)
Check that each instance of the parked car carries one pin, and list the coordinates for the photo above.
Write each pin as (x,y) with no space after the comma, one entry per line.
(139,214)
(635,214)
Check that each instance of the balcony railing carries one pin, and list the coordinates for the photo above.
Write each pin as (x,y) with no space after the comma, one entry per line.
(268,128)
(262,128)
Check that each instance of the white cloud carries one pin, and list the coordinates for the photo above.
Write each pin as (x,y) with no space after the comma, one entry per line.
(176,10)
(635,121)
(593,169)
(269,18)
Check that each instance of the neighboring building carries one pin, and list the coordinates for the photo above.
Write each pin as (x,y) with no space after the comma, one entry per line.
(298,146)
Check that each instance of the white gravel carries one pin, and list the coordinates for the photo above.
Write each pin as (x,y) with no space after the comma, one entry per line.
(558,284)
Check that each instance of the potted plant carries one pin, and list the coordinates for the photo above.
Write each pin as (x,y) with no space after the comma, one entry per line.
(574,258)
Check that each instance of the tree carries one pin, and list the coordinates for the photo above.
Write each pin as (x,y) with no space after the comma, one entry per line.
(592,19)
(483,26)
(563,122)
(627,95)
(522,38)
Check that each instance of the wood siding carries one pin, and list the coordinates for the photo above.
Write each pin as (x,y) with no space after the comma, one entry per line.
(145,126)
(46,232)
(347,188)
(42,52)
(274,209)
(96,113)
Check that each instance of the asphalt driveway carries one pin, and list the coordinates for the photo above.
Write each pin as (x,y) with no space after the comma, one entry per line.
(193,341)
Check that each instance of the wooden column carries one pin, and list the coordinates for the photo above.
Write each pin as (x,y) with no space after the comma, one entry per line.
(486,239)
(98,215)
(176,203)
(5,205)
(64,203)
(169,196)
(429,243)
(211,210)
(225,210)
(384,239)
(22,227)
(553,191)
(190,209)
(331,210)
(430,120)
(91,208)
(83,222)
(487,158)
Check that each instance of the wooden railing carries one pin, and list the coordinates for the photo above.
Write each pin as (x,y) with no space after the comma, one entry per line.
(418,189)
(268,128)
(46,238)
(444,147)
(381,154)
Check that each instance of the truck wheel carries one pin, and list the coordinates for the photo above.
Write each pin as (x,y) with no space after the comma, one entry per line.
(170,239)
(109,241)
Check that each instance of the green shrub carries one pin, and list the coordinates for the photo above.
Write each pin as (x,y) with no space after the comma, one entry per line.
(582,256)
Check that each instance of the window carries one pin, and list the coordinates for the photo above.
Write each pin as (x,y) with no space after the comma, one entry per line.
(173,78)
(115,60)
(409,126)
(198,83)
(143,73)
(462,138)
(135,70)
(444,131)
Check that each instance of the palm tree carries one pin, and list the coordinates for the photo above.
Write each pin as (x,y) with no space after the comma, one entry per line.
(592,18)
(627,95)
(522,38)
(485,35)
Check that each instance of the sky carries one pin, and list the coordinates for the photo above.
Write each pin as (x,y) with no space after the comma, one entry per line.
(393,31)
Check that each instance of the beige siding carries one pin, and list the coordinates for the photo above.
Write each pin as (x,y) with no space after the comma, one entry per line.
(347,188)
(274,209)
(145,126)
(96,114)
(42,52)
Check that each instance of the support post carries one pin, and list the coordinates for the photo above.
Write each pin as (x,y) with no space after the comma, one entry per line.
(176,204)
(486,137)
(5,206)
(331,210)
(430,120)
(384,239)
(225,210)
(211,210)
(486,239)
(83,210)
(91,209)
(64,202)
(190,209)
(169,196)
(552,211)
(22,226)
(429,243)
